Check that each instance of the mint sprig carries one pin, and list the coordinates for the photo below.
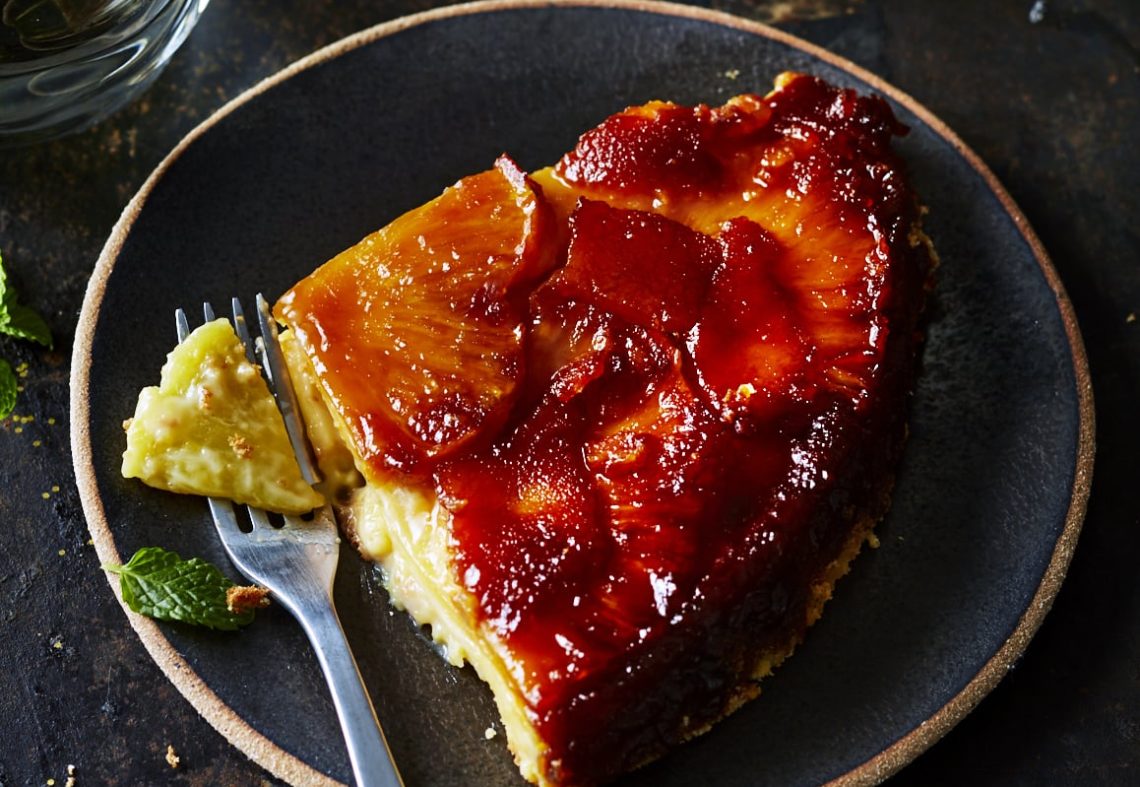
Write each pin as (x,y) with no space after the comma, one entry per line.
(160,584)
(8,386)
(21,322)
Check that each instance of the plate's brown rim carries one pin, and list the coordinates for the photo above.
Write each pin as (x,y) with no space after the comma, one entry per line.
(293,770)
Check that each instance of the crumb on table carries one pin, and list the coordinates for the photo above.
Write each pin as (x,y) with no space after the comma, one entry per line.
(244,598)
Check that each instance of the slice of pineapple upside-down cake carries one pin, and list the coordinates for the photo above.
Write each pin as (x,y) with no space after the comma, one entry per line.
(621,423)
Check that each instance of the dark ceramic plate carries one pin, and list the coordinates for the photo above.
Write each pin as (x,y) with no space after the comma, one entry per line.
(989,498)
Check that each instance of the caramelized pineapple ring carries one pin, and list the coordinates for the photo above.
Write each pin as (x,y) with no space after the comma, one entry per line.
(416,333)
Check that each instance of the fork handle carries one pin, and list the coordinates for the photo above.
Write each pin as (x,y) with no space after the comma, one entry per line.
(372,763)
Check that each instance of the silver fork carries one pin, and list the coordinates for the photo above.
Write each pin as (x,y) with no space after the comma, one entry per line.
(297,562)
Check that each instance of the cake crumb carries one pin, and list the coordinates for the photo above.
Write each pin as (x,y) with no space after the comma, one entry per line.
(241,446)
(1131,317)
(873,541)
(490,733)
(205,399)
(70,777)
(244,598)
(732,73)
(172,759)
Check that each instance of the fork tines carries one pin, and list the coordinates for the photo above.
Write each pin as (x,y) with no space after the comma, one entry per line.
(266,352)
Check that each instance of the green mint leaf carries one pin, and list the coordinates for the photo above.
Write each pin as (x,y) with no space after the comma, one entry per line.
(23,323)
(160,584)
(17,320)
(8,386)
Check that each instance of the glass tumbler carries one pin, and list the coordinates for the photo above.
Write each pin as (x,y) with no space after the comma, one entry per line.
(66,64)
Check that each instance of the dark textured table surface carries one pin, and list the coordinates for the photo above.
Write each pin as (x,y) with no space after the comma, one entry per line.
(1048,93)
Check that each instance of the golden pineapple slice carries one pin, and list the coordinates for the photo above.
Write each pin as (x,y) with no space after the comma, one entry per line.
(211,427)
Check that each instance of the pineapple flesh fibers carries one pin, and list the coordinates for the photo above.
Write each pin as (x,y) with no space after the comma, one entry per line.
(211,427)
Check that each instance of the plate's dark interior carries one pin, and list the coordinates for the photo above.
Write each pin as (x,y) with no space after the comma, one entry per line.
(316,162)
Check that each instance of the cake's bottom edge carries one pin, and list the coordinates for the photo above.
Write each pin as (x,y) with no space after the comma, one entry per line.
(766,662)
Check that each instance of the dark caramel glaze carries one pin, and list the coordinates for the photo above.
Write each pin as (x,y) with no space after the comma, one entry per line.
(708,397)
